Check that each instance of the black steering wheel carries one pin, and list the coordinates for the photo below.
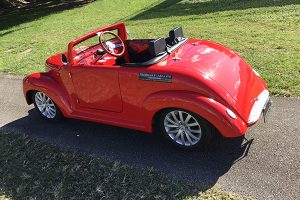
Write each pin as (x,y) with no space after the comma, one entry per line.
(116,49)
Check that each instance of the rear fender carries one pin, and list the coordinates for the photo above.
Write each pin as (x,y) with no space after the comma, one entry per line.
(44,82)
(209,109)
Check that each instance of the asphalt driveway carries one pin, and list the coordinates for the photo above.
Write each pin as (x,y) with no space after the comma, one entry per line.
(265,166)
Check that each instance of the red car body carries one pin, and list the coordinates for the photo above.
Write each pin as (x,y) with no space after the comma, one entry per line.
(206,78)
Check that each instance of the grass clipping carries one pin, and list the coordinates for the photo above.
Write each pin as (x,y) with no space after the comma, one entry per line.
(31,169)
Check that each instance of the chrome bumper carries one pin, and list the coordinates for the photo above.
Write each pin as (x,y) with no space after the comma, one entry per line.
(266,108)
(262,105)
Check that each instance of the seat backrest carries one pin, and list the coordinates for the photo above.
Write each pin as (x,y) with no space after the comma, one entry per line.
(175,36)
(144,49)
(136,50)
(157,47)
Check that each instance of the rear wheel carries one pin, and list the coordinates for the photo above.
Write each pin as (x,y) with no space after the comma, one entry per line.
(46,106)
(184,129)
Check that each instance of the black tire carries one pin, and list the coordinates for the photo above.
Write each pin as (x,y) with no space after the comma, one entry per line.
(206,130)
(53,117)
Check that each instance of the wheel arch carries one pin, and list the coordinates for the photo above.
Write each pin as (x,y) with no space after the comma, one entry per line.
(208,109)
(45,83)
(28,96)
(156,117)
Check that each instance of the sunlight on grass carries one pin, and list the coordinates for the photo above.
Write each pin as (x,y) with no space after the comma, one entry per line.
(216,194)
(3,197)
(265,33)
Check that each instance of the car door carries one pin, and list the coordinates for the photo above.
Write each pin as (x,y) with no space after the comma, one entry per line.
(97,87)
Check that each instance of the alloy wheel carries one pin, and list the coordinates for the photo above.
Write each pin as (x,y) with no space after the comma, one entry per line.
(182,128)
(45,105)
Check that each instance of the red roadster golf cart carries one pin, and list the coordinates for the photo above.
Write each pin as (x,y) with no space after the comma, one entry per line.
(185,88)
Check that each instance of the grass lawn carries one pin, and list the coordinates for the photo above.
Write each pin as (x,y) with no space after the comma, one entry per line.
(265,33)
(31,169)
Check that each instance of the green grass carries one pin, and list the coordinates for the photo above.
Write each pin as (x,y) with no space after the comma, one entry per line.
(265,33)
(31,169)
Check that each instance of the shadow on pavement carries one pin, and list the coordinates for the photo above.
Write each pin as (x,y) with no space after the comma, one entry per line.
(136,148)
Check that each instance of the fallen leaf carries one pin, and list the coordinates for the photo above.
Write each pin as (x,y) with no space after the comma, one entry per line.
(27,51)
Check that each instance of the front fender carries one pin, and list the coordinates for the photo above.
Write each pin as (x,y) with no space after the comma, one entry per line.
(209,109)
(45,82)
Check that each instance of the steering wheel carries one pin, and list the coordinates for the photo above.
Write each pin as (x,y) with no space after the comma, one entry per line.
(115,49)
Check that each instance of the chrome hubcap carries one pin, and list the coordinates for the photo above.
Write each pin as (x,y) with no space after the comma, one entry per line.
(45,105)
(182,127)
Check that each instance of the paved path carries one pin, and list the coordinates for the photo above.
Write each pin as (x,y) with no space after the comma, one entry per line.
(266,167)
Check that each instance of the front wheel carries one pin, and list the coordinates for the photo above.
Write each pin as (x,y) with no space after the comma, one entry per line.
(46,106)
(184,129)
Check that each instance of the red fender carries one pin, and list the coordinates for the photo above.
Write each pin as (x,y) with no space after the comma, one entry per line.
(213,111)
(45,82)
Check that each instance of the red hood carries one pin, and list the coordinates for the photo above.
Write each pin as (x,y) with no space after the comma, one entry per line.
(54,62)
(226,68)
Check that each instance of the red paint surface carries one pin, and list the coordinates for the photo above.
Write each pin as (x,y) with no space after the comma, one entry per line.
(207,79)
